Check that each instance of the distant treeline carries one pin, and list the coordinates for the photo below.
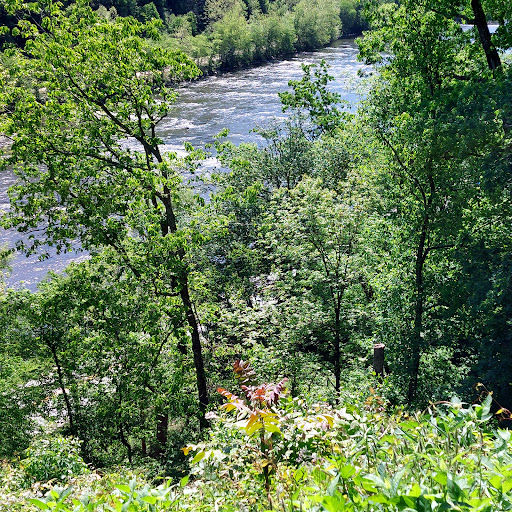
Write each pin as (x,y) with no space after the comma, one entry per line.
(238,33)
(350,10)
(225,34)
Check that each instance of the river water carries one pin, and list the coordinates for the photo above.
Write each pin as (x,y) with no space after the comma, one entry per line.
(238,101)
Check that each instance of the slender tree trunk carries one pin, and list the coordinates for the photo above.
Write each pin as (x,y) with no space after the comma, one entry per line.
(124,442)
(170,225)
(198,355)
(60,377)
(337,353)
(492,55)
(419,307)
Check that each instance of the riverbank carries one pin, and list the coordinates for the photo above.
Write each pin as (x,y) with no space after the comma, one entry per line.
(237,39)
(214,69)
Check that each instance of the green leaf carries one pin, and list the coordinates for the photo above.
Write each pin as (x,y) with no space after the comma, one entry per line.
(333,485)
(199,456)
(333,503)
(441,478)
(270,427)
(124,488)
(38,503)
(347,471)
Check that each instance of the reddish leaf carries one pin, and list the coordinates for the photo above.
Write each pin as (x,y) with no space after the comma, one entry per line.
(243,371)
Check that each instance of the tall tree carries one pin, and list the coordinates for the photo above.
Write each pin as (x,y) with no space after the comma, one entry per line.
(433,114)
(85,147)
(316,236)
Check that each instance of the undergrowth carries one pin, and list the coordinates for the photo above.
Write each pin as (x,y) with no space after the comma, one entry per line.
(267,451)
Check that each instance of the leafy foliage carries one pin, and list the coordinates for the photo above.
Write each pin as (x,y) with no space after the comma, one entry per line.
(53,458)
(356,458)
(311,94)
(389,225)
(105,85)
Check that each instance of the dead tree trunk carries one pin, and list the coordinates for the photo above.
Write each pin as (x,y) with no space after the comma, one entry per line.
(378,360)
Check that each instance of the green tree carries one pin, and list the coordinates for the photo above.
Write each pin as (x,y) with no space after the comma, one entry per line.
(21,391)
(87,154)
(232,40)
(116,359)
(260,306)
(310,95)
(317,23)
(215,10)
(317,237)
(148,12)
(352,18)
(272,35)
(434,110)
(126,7)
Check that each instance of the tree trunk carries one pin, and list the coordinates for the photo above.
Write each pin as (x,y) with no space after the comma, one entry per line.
(492,55)
(60,377)
(417,341)
(125,443)
(198,355)
(378,360)
(337,353)
(170,225)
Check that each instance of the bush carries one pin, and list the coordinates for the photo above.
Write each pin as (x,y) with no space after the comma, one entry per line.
(53,458)
(353,458)
(323,459)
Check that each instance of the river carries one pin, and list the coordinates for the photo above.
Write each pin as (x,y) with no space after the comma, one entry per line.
(237,100)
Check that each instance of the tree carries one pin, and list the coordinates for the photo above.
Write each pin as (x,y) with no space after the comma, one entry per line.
(148,12)
(215,10)
(87,154)
(434,110)
(21,391)
(272,35)
(316,237)
(311,95)
(284,268)
(232,40)
(116,366)
(352,19)
(316,24)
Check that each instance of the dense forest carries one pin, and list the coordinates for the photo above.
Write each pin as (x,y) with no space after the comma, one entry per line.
(216,352)
(226,34)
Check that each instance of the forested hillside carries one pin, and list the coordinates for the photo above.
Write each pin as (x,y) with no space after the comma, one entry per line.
(226,34)
(215,351)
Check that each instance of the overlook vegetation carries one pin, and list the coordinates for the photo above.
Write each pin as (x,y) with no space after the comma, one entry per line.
(388,224)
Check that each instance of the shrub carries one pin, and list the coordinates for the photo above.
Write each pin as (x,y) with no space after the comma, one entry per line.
(53,458)
(315,458)
(353,458)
